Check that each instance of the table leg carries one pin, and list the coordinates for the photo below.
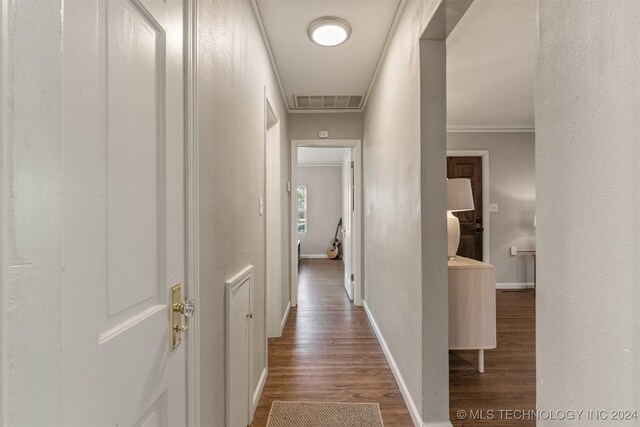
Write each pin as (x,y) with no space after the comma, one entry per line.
(481,361)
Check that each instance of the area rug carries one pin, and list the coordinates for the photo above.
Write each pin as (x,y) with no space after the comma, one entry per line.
(324,414)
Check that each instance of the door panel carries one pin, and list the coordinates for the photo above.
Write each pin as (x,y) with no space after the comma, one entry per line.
(123,212)
(471,222)
(135,166)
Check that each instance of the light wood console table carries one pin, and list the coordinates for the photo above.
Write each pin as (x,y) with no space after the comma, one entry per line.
(472,306)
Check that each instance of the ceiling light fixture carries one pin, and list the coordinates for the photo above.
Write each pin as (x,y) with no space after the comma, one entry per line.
(329,31)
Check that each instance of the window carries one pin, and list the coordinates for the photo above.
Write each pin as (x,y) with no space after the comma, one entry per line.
(302,209)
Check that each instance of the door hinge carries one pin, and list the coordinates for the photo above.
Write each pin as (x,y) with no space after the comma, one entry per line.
(353,278)
(352,164)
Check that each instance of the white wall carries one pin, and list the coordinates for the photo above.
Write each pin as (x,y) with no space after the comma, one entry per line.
(233,69)
(588,205)
(324,206)
(32,199)
(513,187)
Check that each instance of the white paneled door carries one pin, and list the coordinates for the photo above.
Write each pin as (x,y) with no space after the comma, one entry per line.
(123,212)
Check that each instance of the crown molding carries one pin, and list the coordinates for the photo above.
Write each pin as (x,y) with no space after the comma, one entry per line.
(267,44)
(491,128)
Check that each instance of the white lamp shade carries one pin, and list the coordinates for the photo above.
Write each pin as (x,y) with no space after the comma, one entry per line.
(459,195)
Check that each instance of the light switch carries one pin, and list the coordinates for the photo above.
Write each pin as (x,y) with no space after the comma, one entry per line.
(493,207)
(513,250)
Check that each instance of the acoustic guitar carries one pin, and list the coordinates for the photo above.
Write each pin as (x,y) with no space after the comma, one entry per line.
(334,250)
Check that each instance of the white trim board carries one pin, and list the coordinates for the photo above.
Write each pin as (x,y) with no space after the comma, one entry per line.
(314,256)
(486,187)
(503,286)
(192,220)
(411,405)
(258,392)
(284,318)
(306,165)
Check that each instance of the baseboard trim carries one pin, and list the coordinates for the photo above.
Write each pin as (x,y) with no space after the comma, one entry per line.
(314,256)
(514,286)
(285,317)
(438,424)
(258,392)
(413,409)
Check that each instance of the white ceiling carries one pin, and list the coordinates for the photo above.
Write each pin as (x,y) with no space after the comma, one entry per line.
(305,68)
(490,66)
(320,155)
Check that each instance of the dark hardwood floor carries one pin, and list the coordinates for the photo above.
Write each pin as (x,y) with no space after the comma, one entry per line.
(509,381)
(329,352)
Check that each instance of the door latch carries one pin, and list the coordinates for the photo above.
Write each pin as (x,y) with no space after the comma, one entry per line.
(179,308)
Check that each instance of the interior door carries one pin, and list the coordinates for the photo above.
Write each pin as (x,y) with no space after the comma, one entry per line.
(471,222)
(123,212)
(347,220)
(273,224)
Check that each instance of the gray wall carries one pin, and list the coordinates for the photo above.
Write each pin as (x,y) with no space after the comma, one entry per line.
(324,209)
(588,205)
(392,210)
(340,126)
(231,142)
(512,187)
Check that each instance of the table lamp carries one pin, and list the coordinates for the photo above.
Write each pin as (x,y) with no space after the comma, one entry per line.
(459,199)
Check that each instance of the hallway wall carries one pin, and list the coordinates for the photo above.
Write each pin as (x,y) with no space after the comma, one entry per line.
(233,69)
(392,209)
(324,209)
(340,126)
(588,189)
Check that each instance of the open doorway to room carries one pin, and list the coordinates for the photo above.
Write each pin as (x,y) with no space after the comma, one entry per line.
(324,194)
(491,143)
(327,228)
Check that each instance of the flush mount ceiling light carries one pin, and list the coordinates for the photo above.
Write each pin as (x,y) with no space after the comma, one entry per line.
(329,31)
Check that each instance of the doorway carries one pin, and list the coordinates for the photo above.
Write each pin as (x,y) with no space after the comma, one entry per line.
(475,227)
(482,107)
(337,234)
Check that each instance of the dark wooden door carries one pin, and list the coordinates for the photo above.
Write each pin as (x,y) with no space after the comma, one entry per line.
(471,225)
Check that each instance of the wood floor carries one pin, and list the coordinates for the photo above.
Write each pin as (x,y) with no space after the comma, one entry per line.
(509,381)
(329,352)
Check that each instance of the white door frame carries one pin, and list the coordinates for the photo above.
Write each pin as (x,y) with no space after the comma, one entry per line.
(486,222)
(4,191)
(356,144)
(192,217)
(273,223)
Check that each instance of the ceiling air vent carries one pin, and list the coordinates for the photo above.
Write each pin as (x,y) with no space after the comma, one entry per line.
(329,102)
